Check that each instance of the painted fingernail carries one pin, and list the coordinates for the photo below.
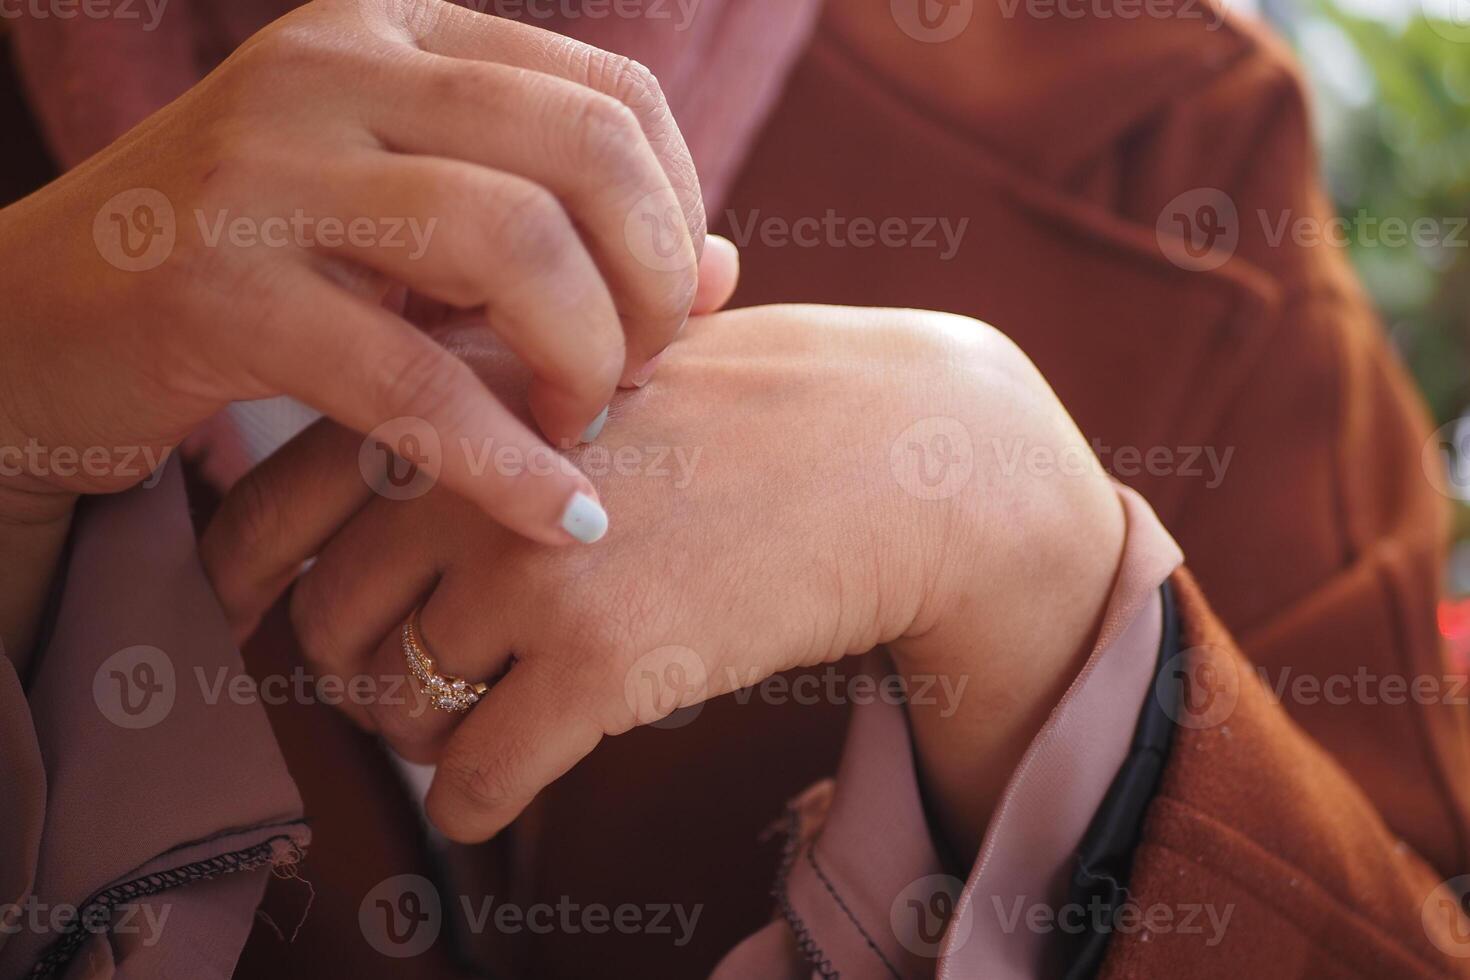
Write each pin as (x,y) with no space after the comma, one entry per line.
(584,519)
(595,429)
(646,373)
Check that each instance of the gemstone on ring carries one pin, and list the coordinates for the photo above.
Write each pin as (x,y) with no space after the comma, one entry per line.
(447,693)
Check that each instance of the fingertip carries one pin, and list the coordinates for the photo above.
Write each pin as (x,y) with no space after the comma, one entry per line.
(719,274)
(584,519)
(566,422)
(718,248)
(458,818)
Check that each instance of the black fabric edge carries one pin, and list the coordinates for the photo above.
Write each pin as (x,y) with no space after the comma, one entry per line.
(1104,859)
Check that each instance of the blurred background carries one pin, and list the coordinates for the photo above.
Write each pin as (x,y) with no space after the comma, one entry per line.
(1391,81)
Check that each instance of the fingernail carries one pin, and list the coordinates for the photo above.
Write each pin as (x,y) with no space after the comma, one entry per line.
(584,519)
(595,429)
(646,373)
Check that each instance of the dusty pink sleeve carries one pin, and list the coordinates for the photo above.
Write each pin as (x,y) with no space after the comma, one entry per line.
(863,891)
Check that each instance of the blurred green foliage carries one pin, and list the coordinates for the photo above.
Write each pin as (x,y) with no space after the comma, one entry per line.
(1394,103)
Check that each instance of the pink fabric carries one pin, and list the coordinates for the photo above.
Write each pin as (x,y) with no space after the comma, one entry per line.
(123,719)
(859,883)
(722,64)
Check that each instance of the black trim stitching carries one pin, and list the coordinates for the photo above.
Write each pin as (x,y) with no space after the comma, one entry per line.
(60,953)
(805,944)
(811,859)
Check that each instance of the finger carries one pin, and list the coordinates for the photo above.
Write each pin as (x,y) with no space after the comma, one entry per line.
(372,372)
(350,599)
(719,274)
(278,516)
(530,729)
(458,32)
(585,147)
(457,631)
(470,237)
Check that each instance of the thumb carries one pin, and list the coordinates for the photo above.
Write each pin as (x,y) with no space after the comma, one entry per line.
(719,274)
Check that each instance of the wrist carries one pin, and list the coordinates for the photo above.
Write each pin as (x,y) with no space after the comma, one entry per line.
(1023,567)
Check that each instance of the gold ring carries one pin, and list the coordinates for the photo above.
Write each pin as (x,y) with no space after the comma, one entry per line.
(447,693)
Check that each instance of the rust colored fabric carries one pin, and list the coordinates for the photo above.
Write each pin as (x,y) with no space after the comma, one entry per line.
(1063,142)
(1255,817)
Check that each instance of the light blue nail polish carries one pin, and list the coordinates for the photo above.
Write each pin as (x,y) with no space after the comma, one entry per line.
(584,519)
(595,429)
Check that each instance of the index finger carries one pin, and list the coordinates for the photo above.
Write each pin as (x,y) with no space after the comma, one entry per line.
(458,32)
(375,373)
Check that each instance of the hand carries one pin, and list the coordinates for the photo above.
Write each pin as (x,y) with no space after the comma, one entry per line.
(478,162)
(800,514)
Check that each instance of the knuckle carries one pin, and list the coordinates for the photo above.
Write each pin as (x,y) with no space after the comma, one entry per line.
(311,621)
(628,81)
(290,44)
(482,781)
(609,138)
(670,305)
(421,383)
(531,226)
(251,519)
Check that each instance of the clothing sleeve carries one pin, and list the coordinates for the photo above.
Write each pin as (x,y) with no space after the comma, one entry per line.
(1259,829)
(865,891)
(1258,854)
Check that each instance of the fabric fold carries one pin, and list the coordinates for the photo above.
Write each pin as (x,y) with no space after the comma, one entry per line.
(867,895)
(160,768)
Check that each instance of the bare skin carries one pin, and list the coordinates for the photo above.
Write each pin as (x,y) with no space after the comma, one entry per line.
(795,539)
(288,231)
